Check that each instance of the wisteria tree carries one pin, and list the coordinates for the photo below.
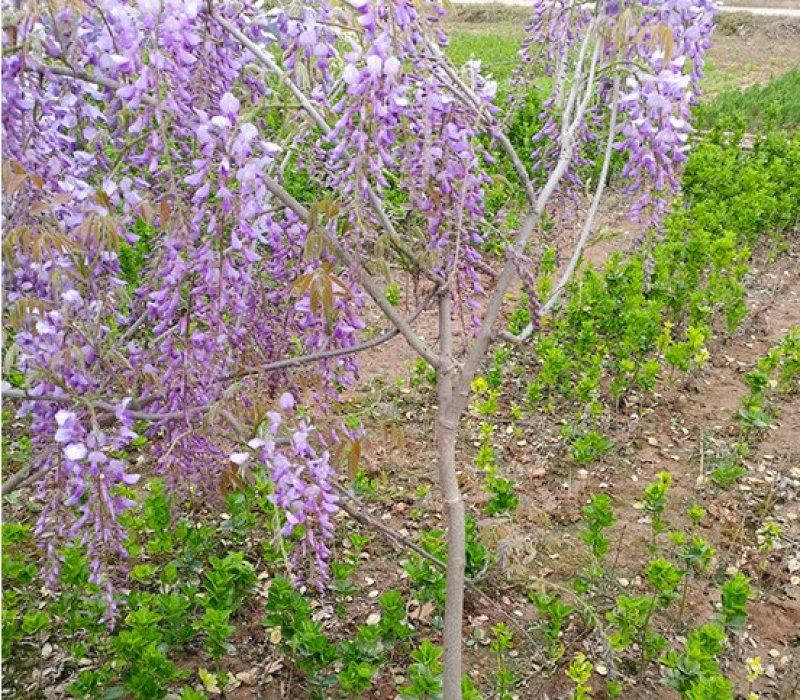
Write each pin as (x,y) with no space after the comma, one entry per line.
(203,200)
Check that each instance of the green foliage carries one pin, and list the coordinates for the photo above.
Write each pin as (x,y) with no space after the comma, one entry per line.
(734,596)
(711,688)
(504,498)
(140,648)
(599,517)
(424,675)
(215,623)
(554,613)
(290,612)
(727,473)
(655,502)
(422,374)
(775,104)
(427,579)
(579,672)
(393,293)
(351,663)
(497,50)
(777,372)
(589,447)
(504,678)
(664,578)
(630,622)
(228,580)
(620,327)
(698,663)
(133,256)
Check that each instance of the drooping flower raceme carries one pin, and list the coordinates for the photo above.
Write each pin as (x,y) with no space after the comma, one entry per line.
(655,48)
(151,268)
(177,176)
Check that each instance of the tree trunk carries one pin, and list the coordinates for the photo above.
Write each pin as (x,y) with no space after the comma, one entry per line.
(447,420)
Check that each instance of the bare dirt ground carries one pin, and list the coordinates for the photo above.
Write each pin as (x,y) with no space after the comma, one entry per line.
(682,431)
(748,50)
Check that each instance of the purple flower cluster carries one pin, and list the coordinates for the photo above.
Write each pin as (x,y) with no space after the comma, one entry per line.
(302,475)
(157,266)
(655,48)
(159,129)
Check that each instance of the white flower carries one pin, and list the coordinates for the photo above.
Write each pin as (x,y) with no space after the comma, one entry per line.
(63,416)
(75,451)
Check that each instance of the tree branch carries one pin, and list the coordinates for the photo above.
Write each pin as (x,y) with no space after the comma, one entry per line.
(67,72)
(329,354)
(588,224)
(569,127)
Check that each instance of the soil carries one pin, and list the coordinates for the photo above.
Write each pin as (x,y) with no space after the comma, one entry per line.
(682,431)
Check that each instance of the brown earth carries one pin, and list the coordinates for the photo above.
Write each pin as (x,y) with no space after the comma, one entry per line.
(682,431)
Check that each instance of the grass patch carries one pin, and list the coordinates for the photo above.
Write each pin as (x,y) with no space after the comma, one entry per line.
(495,45)
(776,103)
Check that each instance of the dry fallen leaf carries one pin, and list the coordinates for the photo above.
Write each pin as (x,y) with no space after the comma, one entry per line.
(422,613)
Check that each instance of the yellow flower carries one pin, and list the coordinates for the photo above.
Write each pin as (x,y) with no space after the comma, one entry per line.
(754,668)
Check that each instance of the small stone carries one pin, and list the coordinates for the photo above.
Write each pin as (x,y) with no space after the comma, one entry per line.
(373,619)
(624,582)
(601,670)
(248,677)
